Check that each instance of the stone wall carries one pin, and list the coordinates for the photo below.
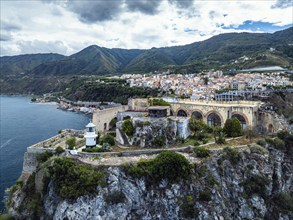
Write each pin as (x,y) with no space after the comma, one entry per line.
(102,118)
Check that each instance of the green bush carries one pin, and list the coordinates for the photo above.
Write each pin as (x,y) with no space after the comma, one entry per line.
(205,195)
(71,143)
(105,148)
(6,217)
(258,149)
(167,165)
(196,143)
(187,209)
(233,128)
(231,154)
(115,198)
(284,201)
(158,102)
(256,184)
(43,157)
(172,166)
(108,139)
(283,134)
(201,152)
(127,127)
(276,143)
(159,141)
(59,150)
(261,143)
(73,179)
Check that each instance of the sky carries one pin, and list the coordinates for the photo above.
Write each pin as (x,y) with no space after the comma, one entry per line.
(68,26)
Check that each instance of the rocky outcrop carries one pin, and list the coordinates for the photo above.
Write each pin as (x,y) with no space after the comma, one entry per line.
(150,131)
(243,184)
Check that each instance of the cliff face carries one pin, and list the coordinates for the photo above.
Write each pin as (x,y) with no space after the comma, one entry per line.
(250,183)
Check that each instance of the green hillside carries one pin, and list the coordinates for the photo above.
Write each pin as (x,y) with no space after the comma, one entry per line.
(221,51)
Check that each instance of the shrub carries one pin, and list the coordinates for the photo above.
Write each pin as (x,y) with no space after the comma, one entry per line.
(73,179)
(187,209)
(261,143)
(231,154)
(108,139)
(201,152)
(71,142)
(158,102)
(167,165)
(126,118)
(182,140)
(127,127)
(113,122)
(146,123)
(283,134)
(43,157)
(60,131)
(196,143)
(6,217)
(257,149)
(172,166)
(115,198)
(284,201)
(204,141)
(276,143)
(159,141)
(59,150)
(205,195)
(256,184)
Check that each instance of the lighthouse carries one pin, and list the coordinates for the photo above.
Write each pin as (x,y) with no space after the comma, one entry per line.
(90,135)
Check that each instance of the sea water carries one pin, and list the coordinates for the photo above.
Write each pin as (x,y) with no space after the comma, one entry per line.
(22,124)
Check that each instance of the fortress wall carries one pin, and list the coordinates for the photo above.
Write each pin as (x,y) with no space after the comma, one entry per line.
(102,118)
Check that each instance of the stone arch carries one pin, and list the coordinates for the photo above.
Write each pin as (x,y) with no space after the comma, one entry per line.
(197,114)
(242,118)
(182,113)
(271,128)
(214,118)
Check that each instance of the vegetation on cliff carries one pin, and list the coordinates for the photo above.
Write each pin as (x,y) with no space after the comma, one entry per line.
(167,165)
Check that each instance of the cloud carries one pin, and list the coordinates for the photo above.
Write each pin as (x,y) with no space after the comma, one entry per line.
(45,46)
(283,4)
(9,26)
(95,11)
(5,37)
(182,3)
(149,7)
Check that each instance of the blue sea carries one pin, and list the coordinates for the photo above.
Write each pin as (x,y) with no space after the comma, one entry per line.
(23,124)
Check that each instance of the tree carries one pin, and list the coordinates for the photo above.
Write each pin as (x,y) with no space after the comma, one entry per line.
(108,139)
(71,142)
(250,133)
(127,127)
(205,80)
(232,128)
(236,128)
(197,127)
(219,135)
(228,127)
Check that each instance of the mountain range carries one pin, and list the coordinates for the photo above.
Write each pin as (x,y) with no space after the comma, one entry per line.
(221,51)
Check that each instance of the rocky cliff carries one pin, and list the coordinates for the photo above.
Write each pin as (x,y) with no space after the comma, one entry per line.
(254,182)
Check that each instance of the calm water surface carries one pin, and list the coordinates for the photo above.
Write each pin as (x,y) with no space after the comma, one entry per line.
(22,124)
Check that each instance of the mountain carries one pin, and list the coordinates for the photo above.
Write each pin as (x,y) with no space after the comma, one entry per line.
(25,63)
(221,51)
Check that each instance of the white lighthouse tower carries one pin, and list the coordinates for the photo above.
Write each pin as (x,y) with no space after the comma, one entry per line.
(90,135)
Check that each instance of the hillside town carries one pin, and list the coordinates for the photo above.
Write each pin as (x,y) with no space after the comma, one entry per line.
(207,85)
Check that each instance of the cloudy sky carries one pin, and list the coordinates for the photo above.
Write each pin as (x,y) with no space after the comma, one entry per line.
(67,26)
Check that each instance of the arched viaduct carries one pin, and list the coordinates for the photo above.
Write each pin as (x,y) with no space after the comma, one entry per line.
(217,112)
